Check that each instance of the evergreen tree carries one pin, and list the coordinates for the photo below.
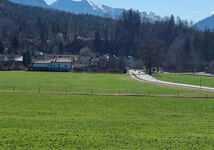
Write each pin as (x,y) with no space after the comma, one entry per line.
(61,48)
(129,28)
(26,58)
(15,44)
(98,43)
(1,48)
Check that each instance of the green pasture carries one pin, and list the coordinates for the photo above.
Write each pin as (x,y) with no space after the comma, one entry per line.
(37,121)
(86,83)
(187,79)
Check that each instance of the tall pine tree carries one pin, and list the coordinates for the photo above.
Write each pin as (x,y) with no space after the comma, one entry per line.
(1,48)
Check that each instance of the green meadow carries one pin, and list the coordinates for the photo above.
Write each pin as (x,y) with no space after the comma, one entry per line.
(36,121)
(59,121)
(187,79)
(86,83)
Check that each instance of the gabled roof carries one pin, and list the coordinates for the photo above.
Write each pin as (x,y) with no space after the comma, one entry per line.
(63,60)
(95,59)
(53,59)
(42,61)
(85,58)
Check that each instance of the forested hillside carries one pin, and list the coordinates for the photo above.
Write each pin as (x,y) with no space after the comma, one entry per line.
(170,43)
(207,23)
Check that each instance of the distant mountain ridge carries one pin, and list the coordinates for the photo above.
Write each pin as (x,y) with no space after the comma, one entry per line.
(207,23)
(76,7)
(86,7)
(37,3)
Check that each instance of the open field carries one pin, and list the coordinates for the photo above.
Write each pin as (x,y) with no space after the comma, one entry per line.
(36,121)
(60,121)
(187,79)
(86,83)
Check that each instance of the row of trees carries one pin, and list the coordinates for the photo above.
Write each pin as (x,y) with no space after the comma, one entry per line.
(169,42)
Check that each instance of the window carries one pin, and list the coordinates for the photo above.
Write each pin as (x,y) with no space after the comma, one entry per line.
(65,66)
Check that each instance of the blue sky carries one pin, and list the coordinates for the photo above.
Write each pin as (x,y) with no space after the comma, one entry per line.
(194,10)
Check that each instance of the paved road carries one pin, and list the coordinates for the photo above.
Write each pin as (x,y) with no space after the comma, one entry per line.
(141,76)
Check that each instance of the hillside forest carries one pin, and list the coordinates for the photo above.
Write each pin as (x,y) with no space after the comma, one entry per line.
(170,43)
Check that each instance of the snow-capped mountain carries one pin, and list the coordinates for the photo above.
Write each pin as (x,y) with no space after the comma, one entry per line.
(207,23)
(86,7)
(76,7)
(37,3)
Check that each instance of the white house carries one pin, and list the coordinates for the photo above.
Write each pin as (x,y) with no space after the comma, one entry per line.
(10,58)
(55,63)
(61,63)
(41,64)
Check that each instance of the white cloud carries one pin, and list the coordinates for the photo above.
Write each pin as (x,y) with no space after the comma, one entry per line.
(212,13)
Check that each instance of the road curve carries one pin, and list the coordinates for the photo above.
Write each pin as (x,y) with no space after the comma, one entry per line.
(141,76)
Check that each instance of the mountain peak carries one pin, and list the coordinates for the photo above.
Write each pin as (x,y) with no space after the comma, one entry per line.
(207,23)
(37,3)
(76,7)
(86,7)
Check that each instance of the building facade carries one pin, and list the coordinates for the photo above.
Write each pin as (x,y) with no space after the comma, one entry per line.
(55,63)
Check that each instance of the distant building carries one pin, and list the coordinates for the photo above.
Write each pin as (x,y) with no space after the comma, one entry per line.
(77,63)
(10,58)
(11,62)
(82,64)
(95,62)
(52,63)
(61,63)
(42,64)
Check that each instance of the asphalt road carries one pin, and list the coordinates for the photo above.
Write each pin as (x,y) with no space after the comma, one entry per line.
(141,76)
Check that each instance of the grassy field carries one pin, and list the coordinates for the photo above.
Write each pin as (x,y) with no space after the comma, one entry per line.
(187,79)
(60,121)
(86,83)
(33,121)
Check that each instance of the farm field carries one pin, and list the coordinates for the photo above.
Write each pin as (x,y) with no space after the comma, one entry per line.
(187,79)
(86,83)
(38,121)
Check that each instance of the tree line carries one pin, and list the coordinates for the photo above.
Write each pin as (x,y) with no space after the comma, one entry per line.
(170,43)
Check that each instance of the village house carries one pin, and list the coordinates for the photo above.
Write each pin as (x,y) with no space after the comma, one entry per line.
(11,62)
(82,64)
(10,58)
(76,63)
(62,63)
(52,63)
(41,64)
